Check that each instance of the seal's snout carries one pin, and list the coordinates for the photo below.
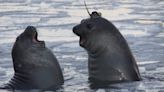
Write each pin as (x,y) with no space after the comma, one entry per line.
(30,28)
(76,31)
(31,33)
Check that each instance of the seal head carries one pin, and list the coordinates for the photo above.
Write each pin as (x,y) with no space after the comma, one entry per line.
(109,57)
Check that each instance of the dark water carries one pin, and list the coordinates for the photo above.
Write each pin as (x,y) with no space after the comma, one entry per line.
(140,21)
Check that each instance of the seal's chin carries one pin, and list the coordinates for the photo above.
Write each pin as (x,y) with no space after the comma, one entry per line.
(35,38)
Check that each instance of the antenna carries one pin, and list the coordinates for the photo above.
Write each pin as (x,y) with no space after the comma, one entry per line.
(87,8)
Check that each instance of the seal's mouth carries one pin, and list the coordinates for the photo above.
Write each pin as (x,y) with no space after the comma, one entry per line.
(82,41)
(35,38)
(80,33)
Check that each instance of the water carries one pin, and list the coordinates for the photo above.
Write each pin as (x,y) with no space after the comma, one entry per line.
(140,21)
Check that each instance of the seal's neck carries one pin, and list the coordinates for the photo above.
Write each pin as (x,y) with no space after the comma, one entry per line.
(96,52)
(96,45)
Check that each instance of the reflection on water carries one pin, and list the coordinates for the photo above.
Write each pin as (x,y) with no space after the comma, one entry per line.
(140,21)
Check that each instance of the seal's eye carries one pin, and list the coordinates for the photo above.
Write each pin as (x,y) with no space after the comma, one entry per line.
(89,26)
(82,21)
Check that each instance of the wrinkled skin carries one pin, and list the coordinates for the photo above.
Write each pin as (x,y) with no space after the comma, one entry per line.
(35,65)
(109,57)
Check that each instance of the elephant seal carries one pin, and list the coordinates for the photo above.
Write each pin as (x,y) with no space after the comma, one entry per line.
(109,57)
(35,65)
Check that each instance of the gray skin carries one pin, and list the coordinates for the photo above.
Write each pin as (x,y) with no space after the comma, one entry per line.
(35,65)
(109,57)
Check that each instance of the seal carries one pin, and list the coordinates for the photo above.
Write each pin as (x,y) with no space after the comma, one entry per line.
(35,65)
(109,57)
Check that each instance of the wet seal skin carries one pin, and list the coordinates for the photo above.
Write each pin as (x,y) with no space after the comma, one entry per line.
(109,57)
(35,65)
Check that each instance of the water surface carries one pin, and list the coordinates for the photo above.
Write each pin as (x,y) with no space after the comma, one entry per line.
(140,21)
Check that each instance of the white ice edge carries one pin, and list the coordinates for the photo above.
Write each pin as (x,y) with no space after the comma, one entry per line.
(147,62)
